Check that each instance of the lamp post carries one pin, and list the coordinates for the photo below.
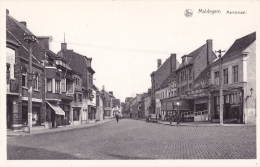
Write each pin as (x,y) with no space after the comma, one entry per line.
(220,89)
(178,112)
(30,39)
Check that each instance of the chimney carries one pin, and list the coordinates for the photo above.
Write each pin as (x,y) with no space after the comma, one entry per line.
(159,62)
(63,46)
(111,93)
(23,23)
(45,41)
(7,11)
(209,51)
(173,62)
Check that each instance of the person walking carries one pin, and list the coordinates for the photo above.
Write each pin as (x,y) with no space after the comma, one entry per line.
(117,118)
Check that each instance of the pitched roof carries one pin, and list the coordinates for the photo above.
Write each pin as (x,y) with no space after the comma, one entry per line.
(202,80)
(17,31)
(163,72)
(239,45)
(193,56)
(169,79)
(77,63)
(116,102)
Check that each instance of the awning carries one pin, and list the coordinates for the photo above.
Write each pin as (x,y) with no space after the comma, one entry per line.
(57,109)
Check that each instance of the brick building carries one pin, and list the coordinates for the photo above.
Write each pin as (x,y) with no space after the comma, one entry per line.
(158,76)
(17,56)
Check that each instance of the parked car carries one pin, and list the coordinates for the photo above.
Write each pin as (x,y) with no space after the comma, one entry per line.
(151,118)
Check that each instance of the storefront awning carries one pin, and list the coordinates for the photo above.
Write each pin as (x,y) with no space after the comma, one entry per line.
(57,109)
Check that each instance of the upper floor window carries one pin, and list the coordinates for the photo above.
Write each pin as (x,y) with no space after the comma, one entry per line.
(90,79)
(225,71)
(24,79)
(216,77)
(76,81)
(190,74)
(235,73)
(80,97)
(57,86)
(36,82)
(10,59)
(49,85)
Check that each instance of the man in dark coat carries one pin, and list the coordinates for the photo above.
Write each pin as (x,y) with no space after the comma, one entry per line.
(117,118)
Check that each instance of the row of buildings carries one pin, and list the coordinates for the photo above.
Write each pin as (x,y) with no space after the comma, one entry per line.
(63,90)
(193,85)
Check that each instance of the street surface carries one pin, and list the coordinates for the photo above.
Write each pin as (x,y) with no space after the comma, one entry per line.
(135,139)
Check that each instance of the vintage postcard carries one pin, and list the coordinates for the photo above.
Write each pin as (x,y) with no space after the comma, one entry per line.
(129,83)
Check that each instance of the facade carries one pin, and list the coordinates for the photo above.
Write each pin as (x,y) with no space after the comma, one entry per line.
(239,82)
(191,67)
(166,97)
(158,76)
(147,103)
(17,56)
(99,106)
(116,107)
(108,103)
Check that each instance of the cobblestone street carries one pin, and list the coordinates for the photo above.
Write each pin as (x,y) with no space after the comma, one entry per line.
(135,139)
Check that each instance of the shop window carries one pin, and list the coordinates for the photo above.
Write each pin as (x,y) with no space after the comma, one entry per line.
(24,79)
(75,115)
(49,85)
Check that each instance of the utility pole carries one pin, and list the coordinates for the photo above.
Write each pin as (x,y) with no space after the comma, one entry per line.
(30,39)
(220,88)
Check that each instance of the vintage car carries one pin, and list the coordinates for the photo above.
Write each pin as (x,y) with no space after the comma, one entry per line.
(151,118)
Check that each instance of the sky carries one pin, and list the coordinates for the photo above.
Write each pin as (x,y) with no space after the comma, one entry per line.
(125,38)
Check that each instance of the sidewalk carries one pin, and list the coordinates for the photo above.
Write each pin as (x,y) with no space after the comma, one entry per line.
(199,124)
(194,124)
(58,129)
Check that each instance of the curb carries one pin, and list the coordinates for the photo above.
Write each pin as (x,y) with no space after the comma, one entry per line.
(55,129)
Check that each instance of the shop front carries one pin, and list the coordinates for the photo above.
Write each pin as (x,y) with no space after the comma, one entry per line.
(54,115)
(36,113)
(201,109)
(232,106)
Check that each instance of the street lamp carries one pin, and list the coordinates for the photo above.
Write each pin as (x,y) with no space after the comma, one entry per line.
(178,112)
(30,39)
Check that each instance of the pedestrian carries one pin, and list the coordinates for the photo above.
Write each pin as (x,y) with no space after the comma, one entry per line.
(117,118)
(171,119)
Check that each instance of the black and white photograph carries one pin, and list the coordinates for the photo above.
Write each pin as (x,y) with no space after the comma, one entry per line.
(129,83)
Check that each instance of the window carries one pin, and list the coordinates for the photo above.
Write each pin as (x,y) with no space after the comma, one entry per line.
(235,73)
(49,85)
(36,83)
(10,58)
(216,78)
(225,76)
(75,97)
(24,79)
(80,97)
(190,74)
(57,86)
(76,81)
(90,79)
